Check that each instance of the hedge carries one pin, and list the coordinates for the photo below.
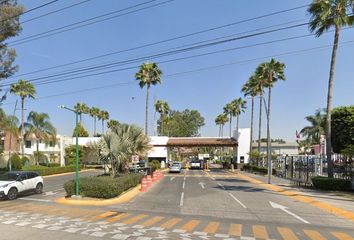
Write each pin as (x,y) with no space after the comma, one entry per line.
(325,183)
(44,171)
(103,186)
(252,168)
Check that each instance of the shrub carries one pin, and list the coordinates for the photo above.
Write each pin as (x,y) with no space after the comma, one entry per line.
(326,183)
(103,186)
(44,171)
(25,161)
(53,165)
(155,164)
(16,163)
(252,168)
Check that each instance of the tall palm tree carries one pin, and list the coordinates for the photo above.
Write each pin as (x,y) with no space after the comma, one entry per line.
(316,129)
(327,14)
(148,74)
(218,123)
(23,89)
(39,127)
(229,110)
(81,108)
(240,106)
(103,116)
(272,71)
(251,88)
(94,112)
(223,119)
(112,123)
(163,109)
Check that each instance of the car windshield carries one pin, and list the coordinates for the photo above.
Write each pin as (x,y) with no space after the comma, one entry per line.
(175,165)
(10,176)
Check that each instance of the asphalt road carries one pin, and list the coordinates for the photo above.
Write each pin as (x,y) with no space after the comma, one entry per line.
(191,205)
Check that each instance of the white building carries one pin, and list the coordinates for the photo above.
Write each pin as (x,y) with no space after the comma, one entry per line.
(287,148)
(243,139)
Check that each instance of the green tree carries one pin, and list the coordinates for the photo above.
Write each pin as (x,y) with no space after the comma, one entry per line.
(81,108)
(82,132)
(112,123)
(119,145)
(251,88)
(38,126)
(272,71)
(23,89)
(70,154)
(218,123)
(316,129)
(94,112)
(10,13)
(327,14)
(103,116)
(163,109)
(148,74)
(342,128)
(234,109)
(183,124)
(229,110)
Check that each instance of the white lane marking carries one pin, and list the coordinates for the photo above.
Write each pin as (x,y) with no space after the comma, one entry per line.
(220,185)
(181,201)
(202,184)
(184,184)
(35,199)
(212,178)
(239,202)
(171,179)
(283,208)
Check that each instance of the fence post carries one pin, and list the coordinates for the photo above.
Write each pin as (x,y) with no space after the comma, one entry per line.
(307,169)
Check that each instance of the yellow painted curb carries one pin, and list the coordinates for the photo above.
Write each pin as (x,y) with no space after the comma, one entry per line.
(305,199)
(67,173)
(123,198)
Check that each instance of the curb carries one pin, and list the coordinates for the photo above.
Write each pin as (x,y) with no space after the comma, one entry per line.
(123,198)
(67,173)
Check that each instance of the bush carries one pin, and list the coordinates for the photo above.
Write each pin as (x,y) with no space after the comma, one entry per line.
(155,164)
(252,168)
(44,171)
(325,183)
(16,163)
(53,165)
(25,161)
(103,186)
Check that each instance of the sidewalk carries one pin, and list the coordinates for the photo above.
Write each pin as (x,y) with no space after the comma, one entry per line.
(343,200)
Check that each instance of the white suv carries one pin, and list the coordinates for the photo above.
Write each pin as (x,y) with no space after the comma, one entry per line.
(13,183)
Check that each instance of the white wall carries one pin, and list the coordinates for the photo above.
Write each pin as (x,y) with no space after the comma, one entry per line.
(244,135)
(158,152)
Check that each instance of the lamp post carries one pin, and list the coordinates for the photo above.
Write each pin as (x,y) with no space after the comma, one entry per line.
(76,149)
(269,145)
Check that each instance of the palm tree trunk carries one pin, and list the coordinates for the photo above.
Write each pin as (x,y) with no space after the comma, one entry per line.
(237,124)
(94,126)
(147,109)
(269,153)
(37,143)
(260,121)
(161,125)
(23,127)
(230,124)
(222,130)
(102,126)
(80,117)
(329,105)
(251,134)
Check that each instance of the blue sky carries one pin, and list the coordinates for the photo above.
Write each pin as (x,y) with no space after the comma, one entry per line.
(304,90)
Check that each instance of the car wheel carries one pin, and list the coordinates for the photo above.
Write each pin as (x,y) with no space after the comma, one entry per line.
(39,188)
(12,194)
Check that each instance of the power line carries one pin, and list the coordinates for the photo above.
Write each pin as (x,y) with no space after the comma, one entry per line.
(164,41)
(163,54)
(84,23)
(290,53)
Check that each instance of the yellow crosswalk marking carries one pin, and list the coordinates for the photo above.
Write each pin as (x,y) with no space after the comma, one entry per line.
(260,231)
(189,226)
(287,233)
(314,235)
(212,227)
(170,223)
(103,215)
(235,230)
(118,217)
(152,221)
(134,219)
(342,236)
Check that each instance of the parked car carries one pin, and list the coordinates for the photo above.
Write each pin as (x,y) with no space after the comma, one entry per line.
(16,182)
(175,167)
(196,164)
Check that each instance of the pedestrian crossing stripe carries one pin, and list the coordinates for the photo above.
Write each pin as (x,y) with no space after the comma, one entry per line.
(189,226)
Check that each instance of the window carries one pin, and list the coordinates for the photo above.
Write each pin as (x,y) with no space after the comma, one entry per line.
(32,175)
(28,144)
(51,144)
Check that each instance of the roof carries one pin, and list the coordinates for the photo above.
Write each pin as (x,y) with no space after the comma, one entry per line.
(199,142)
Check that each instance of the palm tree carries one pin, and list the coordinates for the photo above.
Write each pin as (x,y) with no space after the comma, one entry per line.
(249,89)
(324,16)
(228,110)
(39,127)
(94,112)
(112,123)
(103,116)
(240,106)
(272,71)
(23,89)
(316,129)
(163,109)
(218,123)
(81,108)
(148,74)
(223,119)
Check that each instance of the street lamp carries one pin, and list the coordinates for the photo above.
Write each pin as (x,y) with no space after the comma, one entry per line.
(269,148)
(77,150)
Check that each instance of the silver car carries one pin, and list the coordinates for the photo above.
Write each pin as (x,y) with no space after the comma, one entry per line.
(175,167)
